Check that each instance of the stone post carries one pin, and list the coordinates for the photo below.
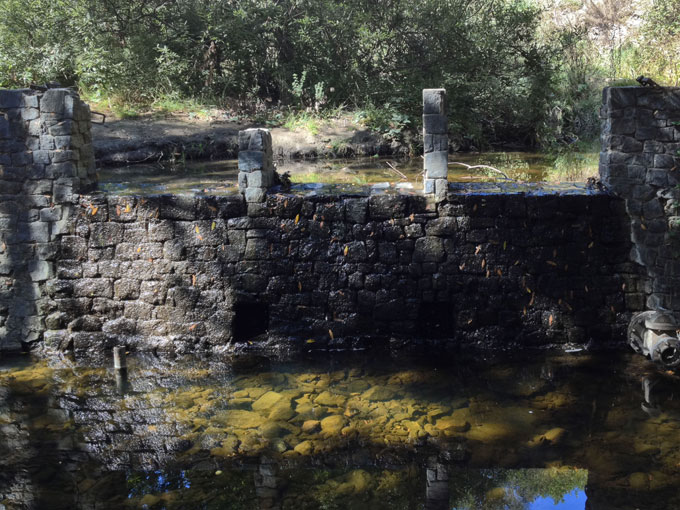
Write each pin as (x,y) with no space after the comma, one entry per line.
(46,161)
(255,163)
(436,142)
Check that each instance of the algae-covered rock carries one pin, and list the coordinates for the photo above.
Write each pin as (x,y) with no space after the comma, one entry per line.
(240,419)
(267,401)
(458,421)
(311,426)
(379,394)
(326,398)
(639,481)
(281,411)
(332,425)
(304,448)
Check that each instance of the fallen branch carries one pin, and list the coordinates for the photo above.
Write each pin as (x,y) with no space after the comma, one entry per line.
(487,167)
(394,169)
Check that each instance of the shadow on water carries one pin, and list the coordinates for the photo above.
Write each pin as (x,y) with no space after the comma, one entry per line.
(346,432)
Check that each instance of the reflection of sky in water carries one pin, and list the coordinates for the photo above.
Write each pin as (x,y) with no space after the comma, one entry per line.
(575,500)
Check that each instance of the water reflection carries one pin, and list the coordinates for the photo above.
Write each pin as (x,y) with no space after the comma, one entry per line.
(220,177)
(539,432)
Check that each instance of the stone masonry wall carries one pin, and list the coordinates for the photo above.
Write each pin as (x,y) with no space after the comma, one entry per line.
(46,161)
(86,271)
(640,162)
(175,273)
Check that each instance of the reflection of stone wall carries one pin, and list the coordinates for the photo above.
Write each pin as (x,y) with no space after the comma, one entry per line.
(170,272)
(640,162)
(46,160)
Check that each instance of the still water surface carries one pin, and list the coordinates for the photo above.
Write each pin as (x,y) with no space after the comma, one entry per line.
(543,431)
(220,177)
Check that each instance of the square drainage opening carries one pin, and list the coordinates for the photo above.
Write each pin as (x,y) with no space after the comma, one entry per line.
(251,320)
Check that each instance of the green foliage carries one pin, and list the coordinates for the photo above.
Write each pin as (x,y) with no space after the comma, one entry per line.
(307,53)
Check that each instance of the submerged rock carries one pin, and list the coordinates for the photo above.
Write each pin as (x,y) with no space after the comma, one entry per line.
(332,425)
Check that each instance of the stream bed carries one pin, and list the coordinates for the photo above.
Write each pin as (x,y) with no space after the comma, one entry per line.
(545,430)
(220,177)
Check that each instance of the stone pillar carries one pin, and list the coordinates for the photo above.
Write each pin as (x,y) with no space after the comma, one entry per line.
(46,161)
(640,162)
(255,163)
(436,142)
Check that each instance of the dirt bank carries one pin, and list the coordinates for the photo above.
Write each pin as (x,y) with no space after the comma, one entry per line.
(175,137)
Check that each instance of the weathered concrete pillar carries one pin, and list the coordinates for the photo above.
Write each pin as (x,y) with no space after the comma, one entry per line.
(46,161)
(255,163)
(436,142)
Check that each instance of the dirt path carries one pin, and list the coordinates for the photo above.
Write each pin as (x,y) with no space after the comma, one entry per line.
(176,137)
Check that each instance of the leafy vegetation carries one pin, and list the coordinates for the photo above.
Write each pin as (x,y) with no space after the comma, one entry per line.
(525,72)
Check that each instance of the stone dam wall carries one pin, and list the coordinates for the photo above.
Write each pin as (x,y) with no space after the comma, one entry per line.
(184,273)
(482,266)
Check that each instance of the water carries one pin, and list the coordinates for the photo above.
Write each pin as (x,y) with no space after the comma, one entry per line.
(544,431)
(220,177)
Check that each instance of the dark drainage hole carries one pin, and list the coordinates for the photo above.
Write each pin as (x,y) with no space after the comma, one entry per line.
(435,320)
(251,320)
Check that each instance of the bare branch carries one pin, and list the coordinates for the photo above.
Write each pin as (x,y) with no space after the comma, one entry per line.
(399,173)
(487,167)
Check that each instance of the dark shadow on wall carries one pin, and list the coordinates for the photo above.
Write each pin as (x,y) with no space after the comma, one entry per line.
(24,239)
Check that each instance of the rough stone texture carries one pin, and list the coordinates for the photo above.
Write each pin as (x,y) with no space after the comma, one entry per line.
(255,164)
(493,269)
(640,162)
(46,161)
(436,142)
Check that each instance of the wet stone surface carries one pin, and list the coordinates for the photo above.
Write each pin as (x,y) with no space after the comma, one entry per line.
(339,433)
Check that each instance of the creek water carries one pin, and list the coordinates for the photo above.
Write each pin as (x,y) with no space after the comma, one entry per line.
(220,177)
(544,430)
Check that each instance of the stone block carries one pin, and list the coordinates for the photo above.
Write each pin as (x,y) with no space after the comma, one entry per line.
(126,289)
(630,144)
(28,114)
(664,161)
(656,177)
(47,142)
(259,179)
(36,231)
(435,143)
(64,128)
(428,249)
(106,234)
(11,98)
(41,157)
(40,271)
(255,194)
(434,101)
(57,101)
(436,165)
(64,142)
(385,207)
(435,124)
(4,127)
(647,133)
(356,210)
(92,287)
(616,98)
(445,226)
(249,161)
(22,158)
(429,185)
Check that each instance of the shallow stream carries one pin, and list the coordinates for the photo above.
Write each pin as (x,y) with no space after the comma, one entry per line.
(541,431)
(220,177)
